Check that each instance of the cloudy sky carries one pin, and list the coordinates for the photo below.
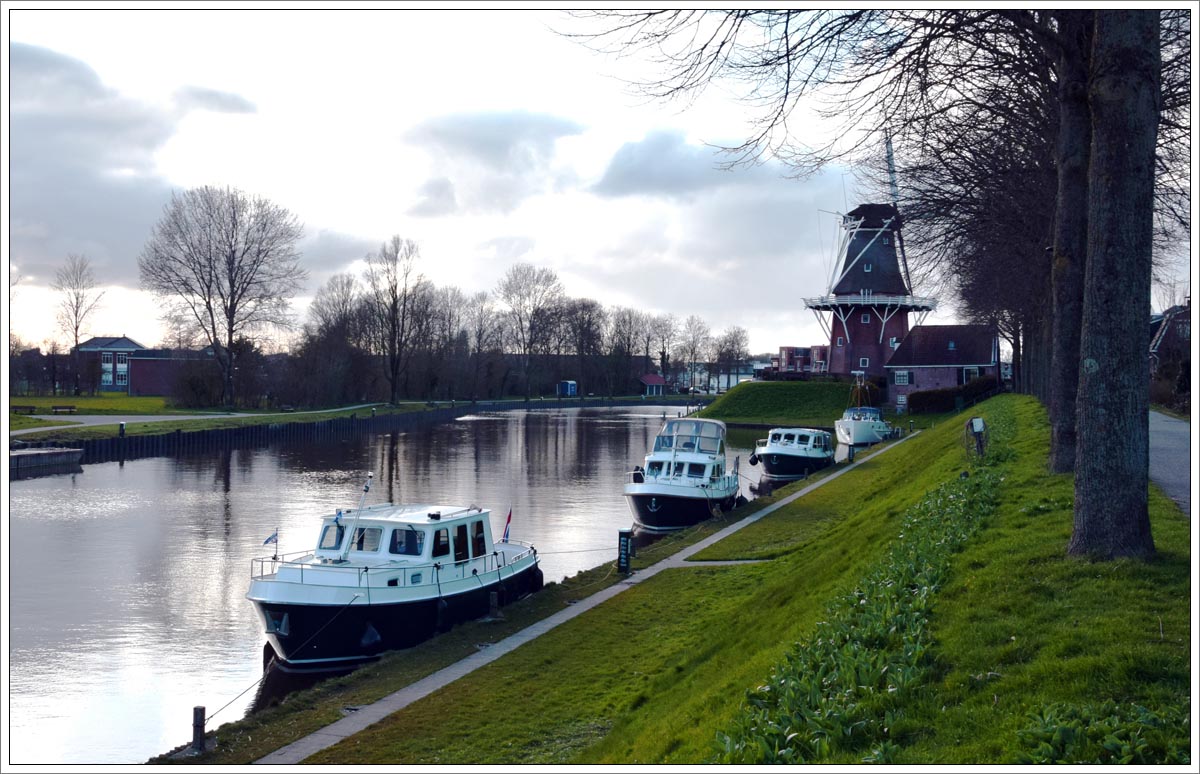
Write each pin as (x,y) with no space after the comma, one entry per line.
(484,136)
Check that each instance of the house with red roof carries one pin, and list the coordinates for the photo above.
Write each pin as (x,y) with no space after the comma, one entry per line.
(933,357)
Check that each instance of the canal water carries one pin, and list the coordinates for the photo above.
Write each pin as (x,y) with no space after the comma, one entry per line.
(127,581)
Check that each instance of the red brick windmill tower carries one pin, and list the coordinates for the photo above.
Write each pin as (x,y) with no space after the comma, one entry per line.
(869,297)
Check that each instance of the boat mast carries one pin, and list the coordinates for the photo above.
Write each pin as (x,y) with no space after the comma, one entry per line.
(361,501)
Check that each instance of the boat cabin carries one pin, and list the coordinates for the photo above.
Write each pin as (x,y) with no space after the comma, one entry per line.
(699,436)
(864,414)
(802,439)
(417,534)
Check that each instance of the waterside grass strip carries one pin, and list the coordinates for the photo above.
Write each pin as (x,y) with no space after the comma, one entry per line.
(301,749)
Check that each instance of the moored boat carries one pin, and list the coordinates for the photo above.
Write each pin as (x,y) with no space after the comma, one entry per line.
(384,577)
(862,424)
(793,452)
(685,479)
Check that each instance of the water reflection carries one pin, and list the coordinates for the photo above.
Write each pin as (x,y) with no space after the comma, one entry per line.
(127,595)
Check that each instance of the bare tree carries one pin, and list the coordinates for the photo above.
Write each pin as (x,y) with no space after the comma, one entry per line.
(527,291)
(394,286)
(80,299)
(485,337)
(696,338)
(666,330)
(1111,516)
(229,261)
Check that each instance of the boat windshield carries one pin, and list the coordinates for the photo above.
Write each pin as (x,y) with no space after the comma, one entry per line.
(690,436)
(867,413)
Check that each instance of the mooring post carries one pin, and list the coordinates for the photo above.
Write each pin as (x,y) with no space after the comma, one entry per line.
(121,432)
(198,729)
(494,604)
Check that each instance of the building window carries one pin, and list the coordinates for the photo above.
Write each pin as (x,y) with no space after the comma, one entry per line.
(893,342)
(122,358)
(122,377)
(901,377)
(863,362)
(867,268)
(901,400)
(106,358)
(885,241)
(866,318)
(106,377)
(969,374)
(951,345)
(839,341)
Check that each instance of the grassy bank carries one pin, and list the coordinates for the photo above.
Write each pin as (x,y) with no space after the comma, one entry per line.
(1020,645)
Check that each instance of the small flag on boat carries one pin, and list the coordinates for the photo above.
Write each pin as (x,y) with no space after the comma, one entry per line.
(506,523)
(337,518)
(273,539)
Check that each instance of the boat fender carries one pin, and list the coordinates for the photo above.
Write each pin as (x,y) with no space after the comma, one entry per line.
(536,579)
(443,615)
(753,459)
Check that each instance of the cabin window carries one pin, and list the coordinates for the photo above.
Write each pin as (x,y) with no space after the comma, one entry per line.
(678,468)
(901,377)
(441,543)
(695,470)
(654,469)
(866,318)
(331,536)
(863,362)
(788,437)
(775,437)
(867,266)
(839,341)
(367,538)
(803,440)
(710,445)
(461,547)
(478,544)
(407,542)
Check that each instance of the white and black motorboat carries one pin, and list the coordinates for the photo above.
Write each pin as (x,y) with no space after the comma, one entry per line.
(685,479)
(384,577)
(793,452)
(861,423)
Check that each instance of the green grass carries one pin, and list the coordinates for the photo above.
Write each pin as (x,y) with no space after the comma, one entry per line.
(781,403)
(1021,637)
(104,403)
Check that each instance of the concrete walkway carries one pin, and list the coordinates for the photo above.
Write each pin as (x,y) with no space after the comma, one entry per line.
(1170,458)
(297,751)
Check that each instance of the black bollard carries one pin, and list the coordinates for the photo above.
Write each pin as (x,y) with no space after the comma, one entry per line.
(198,729)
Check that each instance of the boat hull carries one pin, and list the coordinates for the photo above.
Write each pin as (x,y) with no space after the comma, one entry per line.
(861,433)
(314,637)
(792,466)
(659,509)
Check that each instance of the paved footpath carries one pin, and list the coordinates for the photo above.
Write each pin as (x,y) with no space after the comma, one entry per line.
(1170,458)
(297,751)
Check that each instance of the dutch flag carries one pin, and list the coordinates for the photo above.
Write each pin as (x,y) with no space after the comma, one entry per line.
(506,524)
(273,539)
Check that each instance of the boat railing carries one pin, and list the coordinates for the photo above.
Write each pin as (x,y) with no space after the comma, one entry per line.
(382,574)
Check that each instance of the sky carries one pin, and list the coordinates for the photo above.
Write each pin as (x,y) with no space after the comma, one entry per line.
(487,137)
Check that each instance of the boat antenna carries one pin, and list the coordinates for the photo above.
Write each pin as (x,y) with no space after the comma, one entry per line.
(361,501)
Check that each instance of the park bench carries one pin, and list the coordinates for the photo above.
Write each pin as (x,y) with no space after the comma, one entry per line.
(62,409)
(22,409)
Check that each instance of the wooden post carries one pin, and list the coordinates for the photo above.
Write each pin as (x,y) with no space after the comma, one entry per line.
(198,729)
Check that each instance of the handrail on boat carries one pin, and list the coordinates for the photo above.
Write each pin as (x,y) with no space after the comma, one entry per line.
(269,566)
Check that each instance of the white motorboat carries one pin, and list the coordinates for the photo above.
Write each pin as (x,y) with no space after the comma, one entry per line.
(862,424)
(793,452)
(383,577)
(685,479)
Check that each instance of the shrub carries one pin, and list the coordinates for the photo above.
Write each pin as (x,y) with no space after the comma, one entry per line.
(938,401)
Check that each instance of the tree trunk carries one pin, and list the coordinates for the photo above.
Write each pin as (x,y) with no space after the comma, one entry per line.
(1070,233)
(1112,461)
